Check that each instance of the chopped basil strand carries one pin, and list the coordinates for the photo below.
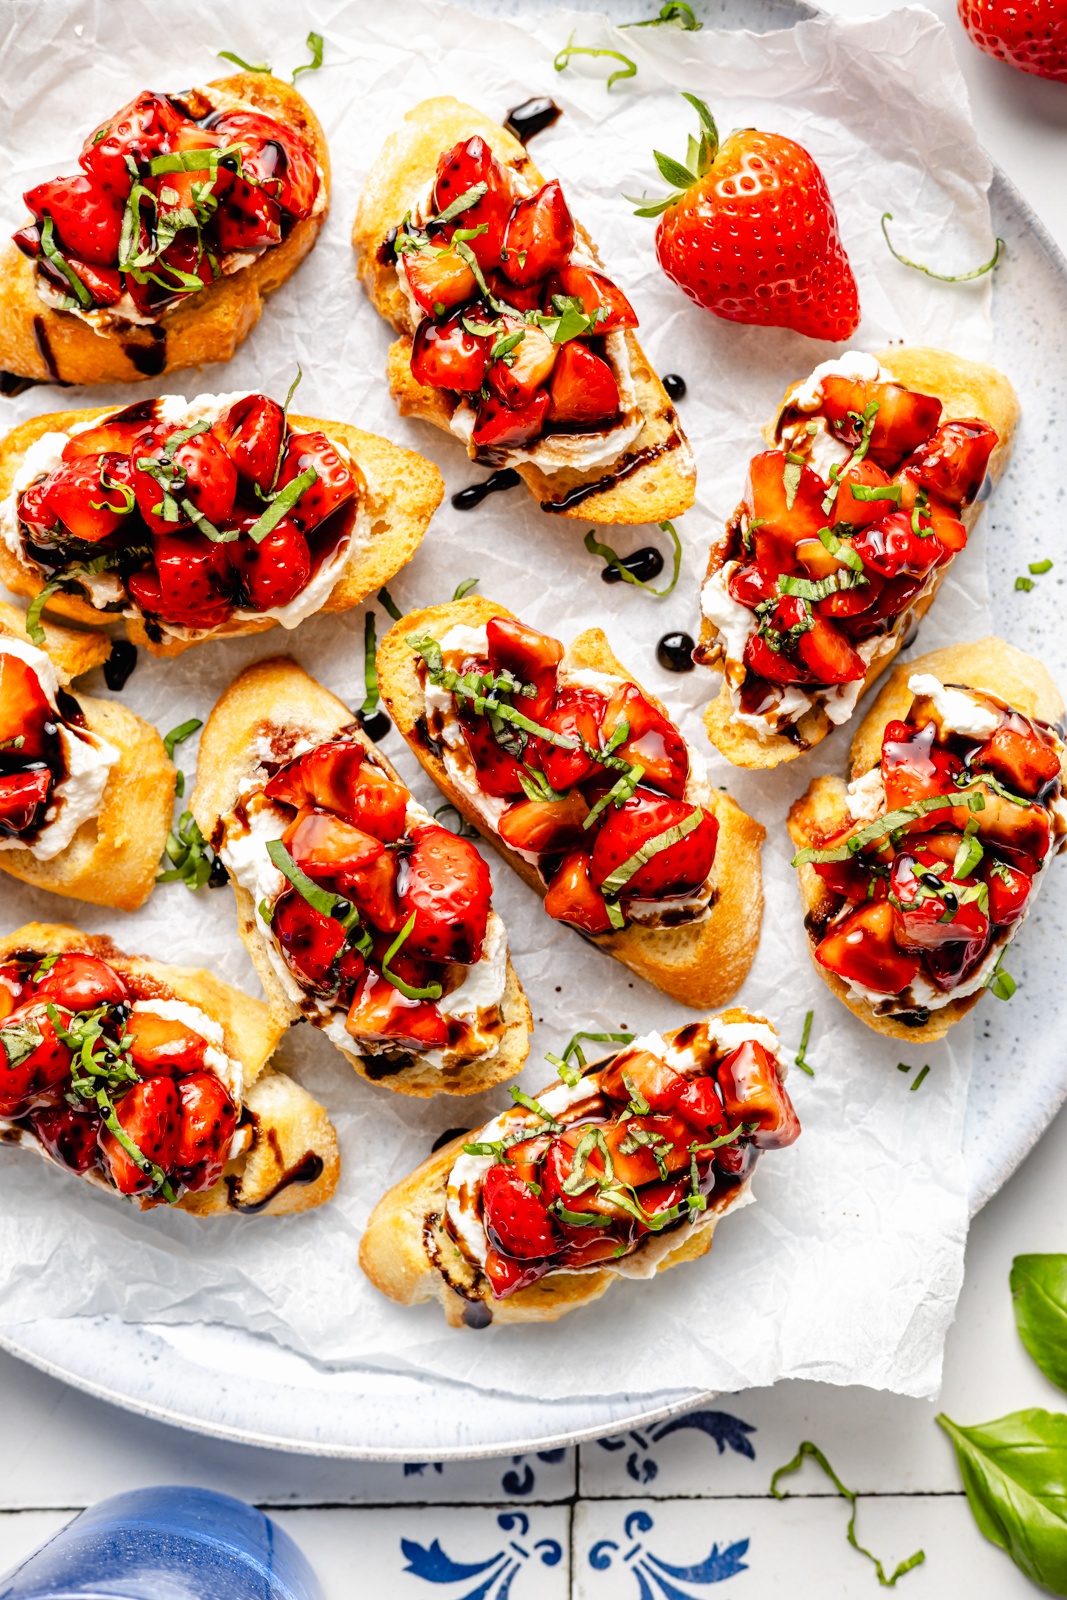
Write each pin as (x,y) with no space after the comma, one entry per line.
(615,561)
(944,277)
(319,899)
(314,44)
(800,1059)
(238,61)
(808,1450)
(885,825)
(283,502)
(410,991)
(370,667)
(674,14)
(620,877)
(627,70)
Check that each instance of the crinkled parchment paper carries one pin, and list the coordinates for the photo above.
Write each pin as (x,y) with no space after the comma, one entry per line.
(848,1267)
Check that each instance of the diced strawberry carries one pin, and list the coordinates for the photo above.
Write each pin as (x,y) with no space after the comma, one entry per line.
(1019,756)
(573,898)
(194,582)
(25,1078)
(635,1167)
(784,517)
(858,513)
(86,509)
(1009,890)
(324,777)
(497,770)
(544,827)
(374,890)
(861,949)
(163,1045)
(438,283)
(954,460)
(445,356)
(904,419)
(335,486)
(497,427)
(596,292)
(775,666)
(516,377)
(529,298)
(273,156)
(849,879)
(81,983)
(86,217)
(186,255)
(69,1134)
(309,941)
(251,433)
(752,1091)
(892,548)
(679,868)
(150,1116)
(22,798)
(951,964)
(653,742)
(117,435)
(203,474)
(143,129)
(539,237)
(448,889)
(248,219)
(700,1105)
(327,848)
(650,1075)
(926,920)
(576,714)
(381,1014)
(177,192)
(828,655)
(14,987)
(274,571)
(914,768)
(208,1120)
(25,712)
(529,655)
(458,170)
(583,390)
(103,283)
(506,1275)
(750,584)
(517,1221)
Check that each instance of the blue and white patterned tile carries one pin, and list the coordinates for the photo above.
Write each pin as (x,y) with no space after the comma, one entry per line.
(689,1550)
(438,1553)
(879,1443)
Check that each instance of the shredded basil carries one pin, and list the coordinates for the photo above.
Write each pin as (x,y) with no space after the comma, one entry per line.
(386,599)
(462,589)
(627,70)
(620,877)
(281,504)
(60,262)
(370,667)
(800,1059)
(944,277)
(314,44)
(238,61)
(808,1450)
(537,1108)
(885,825)
(615,561)
(432,991)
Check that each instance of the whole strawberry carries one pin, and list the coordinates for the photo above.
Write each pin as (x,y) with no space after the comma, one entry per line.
(1031,37)
(751,233)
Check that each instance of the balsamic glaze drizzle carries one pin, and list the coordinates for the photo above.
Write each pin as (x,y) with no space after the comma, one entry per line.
(532,117)
(473,495)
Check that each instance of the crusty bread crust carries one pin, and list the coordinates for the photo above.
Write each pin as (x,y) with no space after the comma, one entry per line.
(965,389)
(56,346)
(699,964)
(277,693)
(113,857)
(393,1251)
(288,1124)
(989,664)
(402,490)
(655,478)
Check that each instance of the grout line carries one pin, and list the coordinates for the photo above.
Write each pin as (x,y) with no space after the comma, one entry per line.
(569,1501)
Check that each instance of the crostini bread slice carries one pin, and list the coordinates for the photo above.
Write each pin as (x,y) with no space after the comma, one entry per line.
(965,389)
(292,1162)
(699,964)
(655,478)
(990,664)
(405,1238)
(277,700)
(52,346)
(403,490)
(113,857)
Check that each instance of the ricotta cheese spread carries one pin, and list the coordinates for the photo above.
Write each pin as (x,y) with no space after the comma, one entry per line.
(956,711)
(855,364)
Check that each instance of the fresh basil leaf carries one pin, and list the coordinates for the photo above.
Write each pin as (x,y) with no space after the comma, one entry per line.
(20,1040)
(1013,1471)
(1039,1292)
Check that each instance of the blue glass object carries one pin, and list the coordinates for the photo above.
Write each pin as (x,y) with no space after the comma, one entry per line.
(166,1544)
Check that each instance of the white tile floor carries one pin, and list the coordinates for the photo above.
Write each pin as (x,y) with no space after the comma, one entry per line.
(667,1513)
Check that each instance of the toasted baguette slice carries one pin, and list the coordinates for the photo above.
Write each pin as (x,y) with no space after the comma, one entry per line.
(965,389)
(276,700)
(402,492)
(406,1239)
(57,347)
(655,478)
(699,964)
(988,664)
(291,1161)
(113,857)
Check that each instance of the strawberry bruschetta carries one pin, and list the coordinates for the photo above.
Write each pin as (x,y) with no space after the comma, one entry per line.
(585,785)
(153,1081)
(187,210)
(512,335)
(917,876)
(86,786)
(871,482)
(361,913)
(205,518)
(620,1171)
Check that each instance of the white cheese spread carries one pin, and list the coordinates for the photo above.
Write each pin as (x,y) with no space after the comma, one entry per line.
(955,709)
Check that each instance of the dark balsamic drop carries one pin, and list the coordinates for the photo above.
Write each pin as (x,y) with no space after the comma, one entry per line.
(644,564)
(447,1137)
(218,877)
(11,384)
(532,117)
(375,726)
(149,359)
(120,664)
(476,1314)
(475,493)
(674,385)
(675,652)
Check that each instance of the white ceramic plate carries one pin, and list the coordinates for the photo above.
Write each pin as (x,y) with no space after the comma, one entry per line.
(234,1385)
